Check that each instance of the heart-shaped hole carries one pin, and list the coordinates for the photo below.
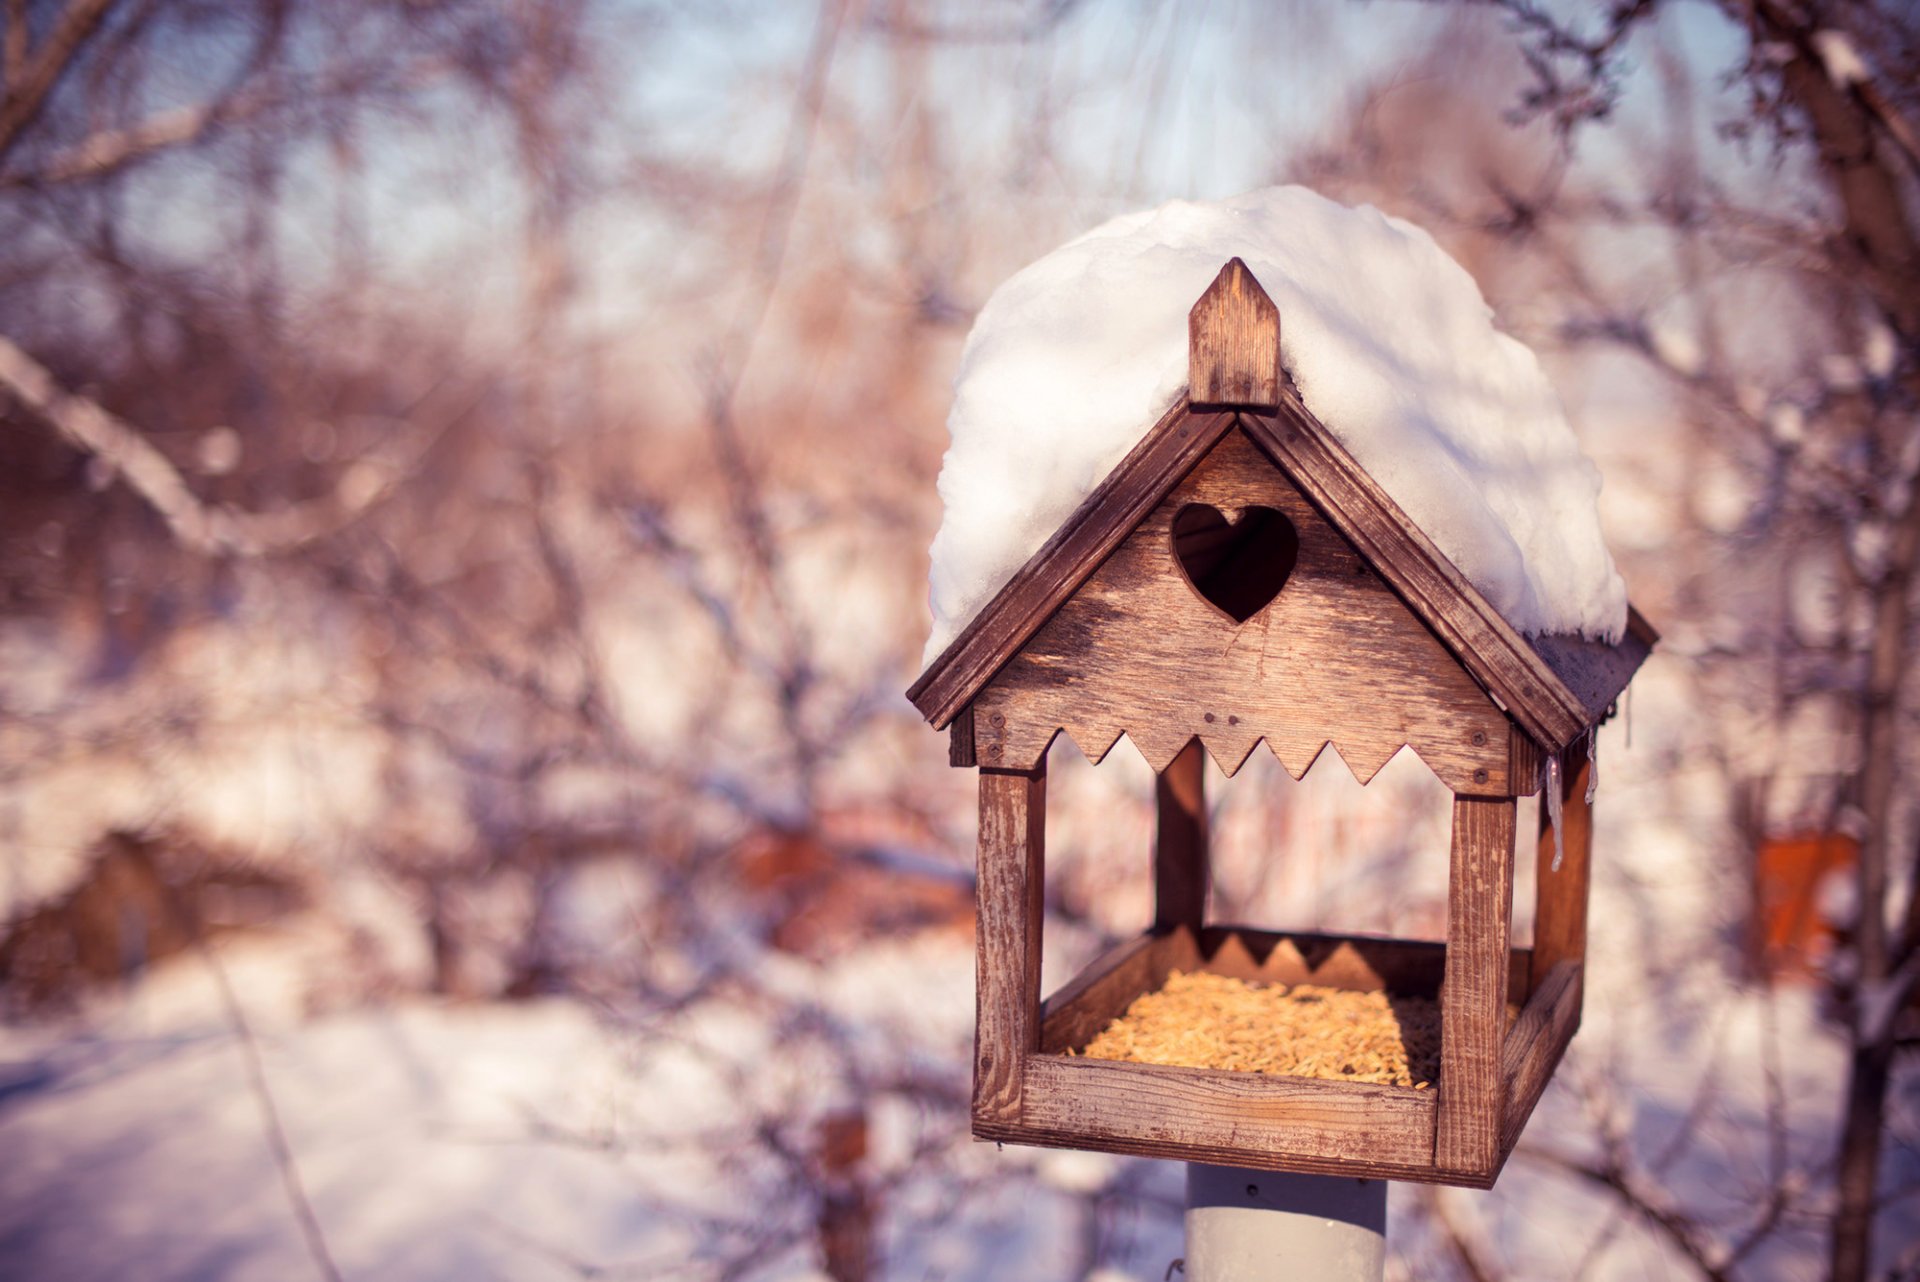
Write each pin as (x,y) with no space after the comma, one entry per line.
(1238,566)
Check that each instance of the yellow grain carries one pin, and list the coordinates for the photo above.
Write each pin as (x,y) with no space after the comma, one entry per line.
(1199,1020)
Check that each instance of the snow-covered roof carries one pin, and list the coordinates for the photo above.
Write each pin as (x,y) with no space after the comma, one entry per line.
(1388,342)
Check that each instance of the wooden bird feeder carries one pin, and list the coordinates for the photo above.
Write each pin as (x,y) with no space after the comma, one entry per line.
(1321,615)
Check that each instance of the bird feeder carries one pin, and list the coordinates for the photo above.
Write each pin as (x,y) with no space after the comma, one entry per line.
(1321,615)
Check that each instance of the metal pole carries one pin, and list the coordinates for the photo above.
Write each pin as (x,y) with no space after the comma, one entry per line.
(1262,1226)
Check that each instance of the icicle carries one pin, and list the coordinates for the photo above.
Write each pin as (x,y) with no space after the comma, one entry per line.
(1553,806)
(1593,766)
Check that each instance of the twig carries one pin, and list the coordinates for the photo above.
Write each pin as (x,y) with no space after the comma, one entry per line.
(1466,1251)
(1679,1231)
(27,91)
(209,529)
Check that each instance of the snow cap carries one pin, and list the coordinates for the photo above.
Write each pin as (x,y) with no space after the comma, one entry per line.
(1387,339)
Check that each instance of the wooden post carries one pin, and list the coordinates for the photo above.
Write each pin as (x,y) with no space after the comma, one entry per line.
(1012,870)
(1233,343)
(1473,1002)
(1181,867)
(1560,898)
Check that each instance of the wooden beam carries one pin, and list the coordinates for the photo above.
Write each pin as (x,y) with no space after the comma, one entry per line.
(960,739)
(1534,1047)
(1203,1114)
(1233,343)
(1560,898)
(1182,869)
(1012,869)
(1523,762)
(1473,1003)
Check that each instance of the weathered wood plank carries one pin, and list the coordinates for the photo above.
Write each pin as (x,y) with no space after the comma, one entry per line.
(1098,995)
(1560,898)
(1221,1155)
(1336,655)
(1182,869)
(1497,655)
(1473,1005)
(1535,1044)
(1524,762)
(1129,492)
(960,739)
(1012,867)
(1173,1112)
(1233,343)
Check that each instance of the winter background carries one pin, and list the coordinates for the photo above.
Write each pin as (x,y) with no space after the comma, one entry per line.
(467,471)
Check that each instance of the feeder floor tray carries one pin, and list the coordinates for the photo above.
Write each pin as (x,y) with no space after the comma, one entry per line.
(1203,1020)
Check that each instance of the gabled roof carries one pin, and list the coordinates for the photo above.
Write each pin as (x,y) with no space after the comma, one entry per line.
(1554,687)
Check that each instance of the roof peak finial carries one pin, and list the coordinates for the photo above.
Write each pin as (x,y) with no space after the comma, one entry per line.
(1233,343)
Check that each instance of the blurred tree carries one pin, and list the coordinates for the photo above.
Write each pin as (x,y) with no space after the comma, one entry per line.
(1829,439)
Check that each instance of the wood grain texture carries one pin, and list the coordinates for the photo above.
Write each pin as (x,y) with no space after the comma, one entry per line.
(1099,994)
(1154,466)
(1337,655)
(1247,1158)
(960,739)
(1524,763)
(1233,343)
(1183,1112)
(1560,898)
(1535,1044)
(1182,869)
(1497,655)
(1012,868)
(1473,1005)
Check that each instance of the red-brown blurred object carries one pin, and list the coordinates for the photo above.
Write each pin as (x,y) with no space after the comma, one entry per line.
(851,878)
(846,1207)
(1789,935)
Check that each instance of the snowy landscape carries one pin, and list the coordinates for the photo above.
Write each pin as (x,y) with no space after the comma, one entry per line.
(476,481)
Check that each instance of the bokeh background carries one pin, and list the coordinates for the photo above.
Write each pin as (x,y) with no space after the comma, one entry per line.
(465,474)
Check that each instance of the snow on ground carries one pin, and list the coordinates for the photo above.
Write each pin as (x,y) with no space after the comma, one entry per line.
(533,1140)
(1388,340)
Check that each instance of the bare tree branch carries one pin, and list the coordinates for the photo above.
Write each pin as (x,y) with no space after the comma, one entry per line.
(209,529)
(26,96)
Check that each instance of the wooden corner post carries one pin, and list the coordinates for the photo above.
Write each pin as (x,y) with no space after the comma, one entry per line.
(1560,897)
(1473,998)
(1012,872)
(1181,867)
(1233,343)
